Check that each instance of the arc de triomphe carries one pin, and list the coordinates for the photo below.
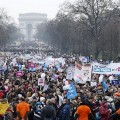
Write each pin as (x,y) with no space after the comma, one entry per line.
(28,23)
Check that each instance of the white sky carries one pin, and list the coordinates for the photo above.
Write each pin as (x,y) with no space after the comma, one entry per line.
(14,7)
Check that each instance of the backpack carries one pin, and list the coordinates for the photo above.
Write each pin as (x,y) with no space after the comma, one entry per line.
(37,109)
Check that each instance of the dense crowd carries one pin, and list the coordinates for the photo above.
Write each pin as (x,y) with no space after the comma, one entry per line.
(29,101)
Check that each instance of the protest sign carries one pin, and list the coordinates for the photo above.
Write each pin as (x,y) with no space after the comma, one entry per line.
(83,71)
(71,92)
(112,68)
(41,82)
(93,83)
(31,65)
(70,73)
(19,74)
(115,82)
(45,88)
(84,59)
(100,92)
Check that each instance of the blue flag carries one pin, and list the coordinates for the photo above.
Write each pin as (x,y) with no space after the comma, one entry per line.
(45,66)
(53,77)
(20,67)
(71,92)
(105,86)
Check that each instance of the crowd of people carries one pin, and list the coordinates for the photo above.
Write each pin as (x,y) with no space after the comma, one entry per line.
(29,101)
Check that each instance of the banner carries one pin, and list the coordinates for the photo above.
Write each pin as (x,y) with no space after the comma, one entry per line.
(84,59)
(70,73)
(83,72)
(115,82)
(100,92)
(19,74)
(71,92)
(93,84)
(41,82)
(31,65)
(45,87)
(112,68)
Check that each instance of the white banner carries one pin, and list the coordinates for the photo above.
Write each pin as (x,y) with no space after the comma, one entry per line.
(70,73)
(112,68)
(83,72)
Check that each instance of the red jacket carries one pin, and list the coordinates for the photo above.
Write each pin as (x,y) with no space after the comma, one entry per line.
(104,112)
(1,94)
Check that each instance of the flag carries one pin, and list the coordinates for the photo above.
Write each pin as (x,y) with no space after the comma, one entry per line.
(53,77)
(45,66)
(20,67)
(105,86)
(71,92)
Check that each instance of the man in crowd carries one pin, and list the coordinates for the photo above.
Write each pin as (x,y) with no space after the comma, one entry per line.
(83,112)
(22,109)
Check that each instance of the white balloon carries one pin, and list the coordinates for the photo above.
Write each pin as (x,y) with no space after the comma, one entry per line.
(111,78)
(43,75)
(66,87)
(101,78)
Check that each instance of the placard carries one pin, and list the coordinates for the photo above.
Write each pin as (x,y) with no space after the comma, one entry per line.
(115,82)
(19,74)
(100,92)
(41,82)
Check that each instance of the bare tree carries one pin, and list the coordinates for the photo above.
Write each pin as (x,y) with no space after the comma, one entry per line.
(95,14)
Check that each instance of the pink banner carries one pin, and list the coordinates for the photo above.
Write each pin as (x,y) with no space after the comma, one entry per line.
(19,74)
(32,65)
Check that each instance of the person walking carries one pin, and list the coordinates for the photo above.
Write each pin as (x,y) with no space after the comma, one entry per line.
(64,111)
(48,112)
(83,112)
(23,109)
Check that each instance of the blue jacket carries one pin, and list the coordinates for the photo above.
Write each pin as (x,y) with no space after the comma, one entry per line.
(65,112)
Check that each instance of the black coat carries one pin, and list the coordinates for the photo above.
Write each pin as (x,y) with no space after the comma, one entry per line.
(48,113)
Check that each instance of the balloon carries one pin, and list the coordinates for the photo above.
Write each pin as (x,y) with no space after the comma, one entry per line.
(66,87)
(43,75)
(56,76)
(111,78)
(101,78)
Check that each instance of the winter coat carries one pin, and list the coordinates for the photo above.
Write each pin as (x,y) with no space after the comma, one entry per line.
(104,112)
(64,112)
(48,113)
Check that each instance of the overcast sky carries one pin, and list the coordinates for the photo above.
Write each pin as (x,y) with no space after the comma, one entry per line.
(14,7)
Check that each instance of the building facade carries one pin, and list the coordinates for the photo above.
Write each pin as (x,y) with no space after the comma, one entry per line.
(28,23)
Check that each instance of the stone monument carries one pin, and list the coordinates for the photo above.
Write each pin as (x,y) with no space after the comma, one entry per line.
(28,23)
